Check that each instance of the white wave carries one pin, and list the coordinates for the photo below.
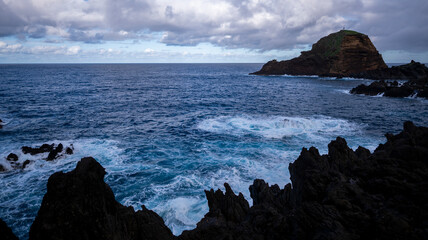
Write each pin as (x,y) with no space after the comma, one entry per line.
(347,92)
(182,213)
(277,126)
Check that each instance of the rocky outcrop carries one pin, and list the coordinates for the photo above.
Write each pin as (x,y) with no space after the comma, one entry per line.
(5,232)
(80,205)
(338,54)
(417,88)
(412,71)
(345,194)
(1,124)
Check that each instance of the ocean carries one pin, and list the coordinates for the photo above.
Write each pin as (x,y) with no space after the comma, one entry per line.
(167,132)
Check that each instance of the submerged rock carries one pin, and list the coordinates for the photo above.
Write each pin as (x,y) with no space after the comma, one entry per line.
(80,205)
(339,54)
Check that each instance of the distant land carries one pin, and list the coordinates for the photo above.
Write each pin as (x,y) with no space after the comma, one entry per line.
(345,53)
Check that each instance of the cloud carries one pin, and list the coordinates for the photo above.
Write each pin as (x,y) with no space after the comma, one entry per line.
(252,24)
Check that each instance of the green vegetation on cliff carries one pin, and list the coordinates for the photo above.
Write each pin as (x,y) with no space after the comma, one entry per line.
(329,46)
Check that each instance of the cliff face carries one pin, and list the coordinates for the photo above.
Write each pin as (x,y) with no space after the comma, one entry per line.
(338,54)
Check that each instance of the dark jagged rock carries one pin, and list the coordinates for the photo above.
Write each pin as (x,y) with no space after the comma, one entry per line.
(69,150)
(339,54)
(5,232)
(37,150)
(1,124)
(411,71)
(12,157)
(80,205)
(345,194)
(417,88)
(53,154)
(25,164)
(2,168)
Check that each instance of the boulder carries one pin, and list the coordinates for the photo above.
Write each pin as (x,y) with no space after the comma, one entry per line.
(12,157)
(53,154)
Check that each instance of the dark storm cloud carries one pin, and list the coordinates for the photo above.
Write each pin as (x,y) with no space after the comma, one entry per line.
(253,24)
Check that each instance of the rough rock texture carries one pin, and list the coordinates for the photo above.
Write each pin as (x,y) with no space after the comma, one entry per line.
(5,232)
(343,195)
(418,88)
(37,150)
(80,205)
(338,54)
(411,71)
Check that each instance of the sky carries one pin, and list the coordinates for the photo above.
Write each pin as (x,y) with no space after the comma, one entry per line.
(206,31)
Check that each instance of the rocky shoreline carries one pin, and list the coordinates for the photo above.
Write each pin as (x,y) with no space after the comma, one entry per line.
(344,194)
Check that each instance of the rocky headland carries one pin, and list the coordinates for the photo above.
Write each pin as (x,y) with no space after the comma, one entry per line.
(344,54)
(344,194)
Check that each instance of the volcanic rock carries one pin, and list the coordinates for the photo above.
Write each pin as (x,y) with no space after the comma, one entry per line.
(37,150)
(80,205)
(339,54)
(6,232)
(53,154)
(411,71)
(345,194)
(12,157)
(417,88)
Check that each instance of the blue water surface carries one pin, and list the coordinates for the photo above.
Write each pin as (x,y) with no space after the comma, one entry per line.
(166,132)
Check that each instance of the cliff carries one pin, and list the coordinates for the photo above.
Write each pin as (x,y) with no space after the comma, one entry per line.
(344,194)
(339,54)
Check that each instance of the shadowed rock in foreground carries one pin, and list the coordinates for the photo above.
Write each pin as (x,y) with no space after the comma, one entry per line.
(5,232)
(345,194)
(80,205)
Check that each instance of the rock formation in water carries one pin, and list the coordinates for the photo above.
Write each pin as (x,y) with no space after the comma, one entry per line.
(54,153)
(80,205)
(338,54)
(414,71)
(344,194)
(344,54)
(416,88)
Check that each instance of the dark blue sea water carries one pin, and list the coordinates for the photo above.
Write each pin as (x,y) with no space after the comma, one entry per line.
(166,132)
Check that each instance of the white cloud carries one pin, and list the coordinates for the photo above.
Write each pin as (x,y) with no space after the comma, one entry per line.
(149,50)
(73,50)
